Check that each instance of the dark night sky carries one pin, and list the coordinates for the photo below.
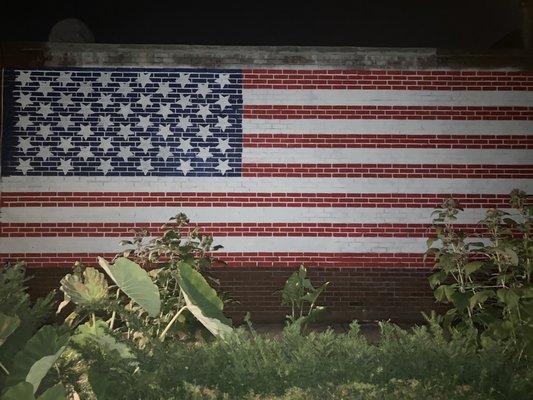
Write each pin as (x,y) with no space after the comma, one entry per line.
(474,24)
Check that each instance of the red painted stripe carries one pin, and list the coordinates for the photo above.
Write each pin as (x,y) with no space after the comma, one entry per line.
(387,80)
(453,171)
(259,259)
(388,141)
(67,229)
(387,112)
(194,199)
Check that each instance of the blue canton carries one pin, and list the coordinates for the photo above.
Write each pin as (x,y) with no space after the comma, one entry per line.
(123,122)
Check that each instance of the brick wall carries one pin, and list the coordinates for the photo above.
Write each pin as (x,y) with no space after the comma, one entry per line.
(381,283)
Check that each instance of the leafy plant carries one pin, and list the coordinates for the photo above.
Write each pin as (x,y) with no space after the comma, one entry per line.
(300,294)
(487,281)
(15,305)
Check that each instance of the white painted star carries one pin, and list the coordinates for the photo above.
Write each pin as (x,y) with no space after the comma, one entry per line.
(104,78)
(144,122)
(223,102)
(85,110)
(184,122)
(105,100)
(65,100)
(44,87)
(145,144)
(185,166)
(164,130)
(85,88)
(64,78)
(24,144)
(185,145)
(65,165)
(24,77)
(145,166)
(44,153)
(85,131)
(203,89)
(144,78)
(24,165)
(204,132)
(164,110)
(105,144)
(183,80)
(65,121)
(105,166)
(223,166)
(85,153)
(164,152)
(125,153)
(223,80)
(125,130)
(66,144)
(24,100)
(144,101)
(124,88)
(184,101)
(223,145)
(223,123)
(164,89)
(44,109)
(204,153)
(23,122)
(204,111)
(105,121)
(45,131)
(125,110)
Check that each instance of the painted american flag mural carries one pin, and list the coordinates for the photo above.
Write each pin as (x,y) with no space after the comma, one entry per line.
(328,168)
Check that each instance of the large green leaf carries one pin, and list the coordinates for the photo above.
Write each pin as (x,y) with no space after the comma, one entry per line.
(202,301)
(8,325)
(24,391)
(20,391)
(32,363)
(99,334)
(56,392)
(135,282)
(87,292)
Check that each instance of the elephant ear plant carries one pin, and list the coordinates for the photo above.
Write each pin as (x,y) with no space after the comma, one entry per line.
(147,306)
(487,280)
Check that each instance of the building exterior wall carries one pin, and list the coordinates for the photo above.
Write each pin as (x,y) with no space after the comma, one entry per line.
(342,155)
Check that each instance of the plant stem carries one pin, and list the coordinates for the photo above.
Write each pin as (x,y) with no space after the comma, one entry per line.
(93,316)
(4,368)
(171,322)
(112,322)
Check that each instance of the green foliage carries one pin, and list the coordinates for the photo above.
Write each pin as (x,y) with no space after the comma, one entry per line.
(135,282)
(7,326)
(88,289)
(202,301)
(300,294)
(415,364)
(487,281)
(24,391)
(15,304)
(33,362)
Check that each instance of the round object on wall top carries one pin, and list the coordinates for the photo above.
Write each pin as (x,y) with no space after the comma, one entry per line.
(71,30)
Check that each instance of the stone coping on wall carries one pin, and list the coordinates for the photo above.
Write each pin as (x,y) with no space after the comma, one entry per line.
(25,55)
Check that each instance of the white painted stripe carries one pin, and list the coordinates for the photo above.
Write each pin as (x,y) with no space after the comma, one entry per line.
(231,244)
(261,185)
(387,97)
(232,214)
(387,126)
(386,156)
